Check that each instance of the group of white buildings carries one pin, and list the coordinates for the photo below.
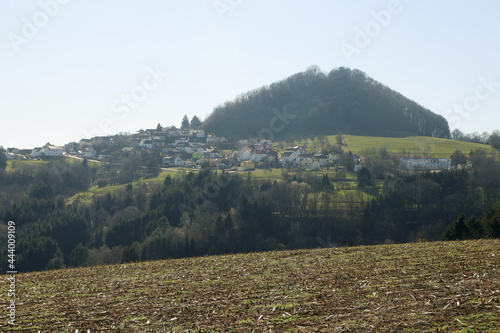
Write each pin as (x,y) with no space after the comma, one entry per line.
(297,156)
(48,151)
(425,164)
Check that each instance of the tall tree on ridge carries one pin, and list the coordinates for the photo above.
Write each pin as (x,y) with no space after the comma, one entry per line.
(3,159)
(195,123)
(185,122)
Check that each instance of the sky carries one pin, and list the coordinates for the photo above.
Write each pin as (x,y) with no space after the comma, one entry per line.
(72,69)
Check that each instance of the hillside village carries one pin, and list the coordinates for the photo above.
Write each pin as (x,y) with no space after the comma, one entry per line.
(191,148)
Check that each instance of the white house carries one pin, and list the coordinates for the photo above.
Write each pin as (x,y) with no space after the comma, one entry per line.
(199,133)
(89,153)
(168,160)
(178,162)
(333,158)
(211,153)
(309,164)
(52,151)
(173,161)
(147,144)
(37,152)
(181,139)
(185,147)
(256,156)
(290,157)
(243,154)
(197,147)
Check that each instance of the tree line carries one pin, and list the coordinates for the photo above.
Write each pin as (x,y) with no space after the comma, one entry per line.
(492,138)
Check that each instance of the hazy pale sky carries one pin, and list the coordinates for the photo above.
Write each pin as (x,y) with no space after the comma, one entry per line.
(71,68)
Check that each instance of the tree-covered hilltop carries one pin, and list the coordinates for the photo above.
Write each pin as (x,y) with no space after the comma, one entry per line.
(314,102)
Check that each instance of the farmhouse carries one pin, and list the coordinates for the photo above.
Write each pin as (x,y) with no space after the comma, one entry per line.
(173,161)
(289,157)
(37,152)
(89,153)
(425,164)
(52,151)
(309,164)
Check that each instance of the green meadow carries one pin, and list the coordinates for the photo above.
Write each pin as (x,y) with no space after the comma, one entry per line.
(411,146)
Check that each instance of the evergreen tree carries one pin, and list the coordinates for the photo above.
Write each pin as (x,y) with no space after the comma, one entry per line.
(491,222)
(475,228)
(364,177)
(195,123)
(41,191)
(325,182)
(457,230)
(78,255)
(185,122)
(3,159)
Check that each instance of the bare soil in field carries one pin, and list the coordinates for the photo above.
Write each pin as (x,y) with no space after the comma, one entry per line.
(420,287)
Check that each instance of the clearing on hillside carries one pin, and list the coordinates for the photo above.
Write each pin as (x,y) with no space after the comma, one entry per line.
(441,286)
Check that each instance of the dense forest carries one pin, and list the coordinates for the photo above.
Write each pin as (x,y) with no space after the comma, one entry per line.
(313,102)
(214,212)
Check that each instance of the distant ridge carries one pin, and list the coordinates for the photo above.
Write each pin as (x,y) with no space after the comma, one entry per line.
(318,103)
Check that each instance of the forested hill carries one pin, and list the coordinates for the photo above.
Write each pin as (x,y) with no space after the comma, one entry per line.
(319,103)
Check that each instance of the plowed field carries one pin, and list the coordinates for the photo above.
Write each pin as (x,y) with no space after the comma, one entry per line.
(434,287)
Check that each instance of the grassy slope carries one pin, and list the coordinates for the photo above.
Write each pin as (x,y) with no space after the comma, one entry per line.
(411,145)
(14,164)
(419,144)
(98,191)
(448,286)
